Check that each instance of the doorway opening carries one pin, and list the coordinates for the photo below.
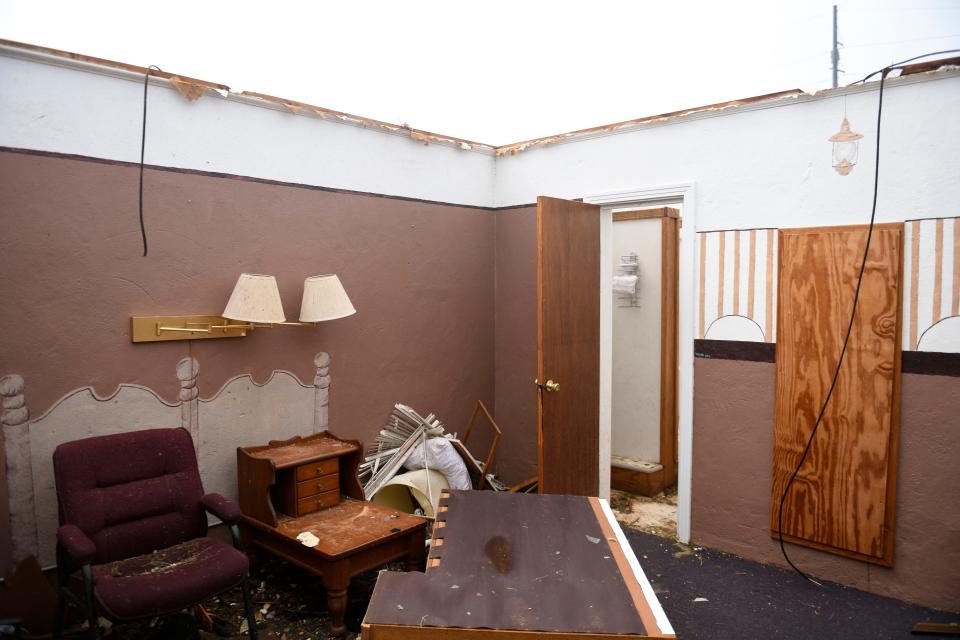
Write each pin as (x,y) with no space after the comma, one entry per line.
(643,259)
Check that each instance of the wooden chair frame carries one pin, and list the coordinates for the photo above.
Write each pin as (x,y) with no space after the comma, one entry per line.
(477,410)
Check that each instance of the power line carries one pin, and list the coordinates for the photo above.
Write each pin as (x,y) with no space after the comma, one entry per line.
(899,9)
(878,44)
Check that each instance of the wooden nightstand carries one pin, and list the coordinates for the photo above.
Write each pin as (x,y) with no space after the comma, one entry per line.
(297,476)
(310,485)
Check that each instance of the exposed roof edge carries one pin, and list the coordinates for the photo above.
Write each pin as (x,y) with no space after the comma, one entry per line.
(516,147)
(911,75)
(103,62)
(193,88)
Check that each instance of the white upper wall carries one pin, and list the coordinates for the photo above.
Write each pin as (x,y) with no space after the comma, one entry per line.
(761,165)
(769,164)
(50,103)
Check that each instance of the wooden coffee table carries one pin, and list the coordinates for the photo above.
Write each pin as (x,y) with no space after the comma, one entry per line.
(354,535)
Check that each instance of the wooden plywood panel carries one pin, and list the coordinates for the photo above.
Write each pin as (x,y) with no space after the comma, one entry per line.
(843,498)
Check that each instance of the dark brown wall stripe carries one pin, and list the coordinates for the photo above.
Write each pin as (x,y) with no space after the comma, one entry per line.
(735,350)
(232,176)
(920,362)
(931,363)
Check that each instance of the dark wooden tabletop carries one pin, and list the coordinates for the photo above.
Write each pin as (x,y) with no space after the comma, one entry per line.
(521,562)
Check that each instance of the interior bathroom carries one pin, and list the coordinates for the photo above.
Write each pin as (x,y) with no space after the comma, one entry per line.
(643,443)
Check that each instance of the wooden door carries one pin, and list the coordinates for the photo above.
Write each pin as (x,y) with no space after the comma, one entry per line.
(568,346)
(843,498)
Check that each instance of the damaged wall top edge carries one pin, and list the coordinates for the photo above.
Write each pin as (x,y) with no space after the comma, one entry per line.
(767,101)
(913,73)
(184,84)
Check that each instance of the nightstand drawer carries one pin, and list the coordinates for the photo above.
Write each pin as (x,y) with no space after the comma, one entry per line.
(317,502)
(329,482)
(314,469)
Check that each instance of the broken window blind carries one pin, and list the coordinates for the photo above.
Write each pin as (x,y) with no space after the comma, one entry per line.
(843,498)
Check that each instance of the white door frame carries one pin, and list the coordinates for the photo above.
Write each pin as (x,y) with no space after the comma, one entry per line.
(652,196)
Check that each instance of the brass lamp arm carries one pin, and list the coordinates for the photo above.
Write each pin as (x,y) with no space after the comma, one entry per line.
(184,329)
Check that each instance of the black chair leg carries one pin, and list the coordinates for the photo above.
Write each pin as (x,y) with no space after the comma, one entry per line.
(248,605)
(91,609)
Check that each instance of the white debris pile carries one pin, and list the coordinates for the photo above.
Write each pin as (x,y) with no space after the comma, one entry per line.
(403,441)
(438,454)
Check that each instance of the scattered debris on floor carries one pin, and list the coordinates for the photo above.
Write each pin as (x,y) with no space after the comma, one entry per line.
(709,594)
(656,515)
(770,602)
(290,605)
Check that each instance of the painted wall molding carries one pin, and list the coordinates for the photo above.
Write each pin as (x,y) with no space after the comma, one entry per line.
(738,284)
(931,281)
(931,275)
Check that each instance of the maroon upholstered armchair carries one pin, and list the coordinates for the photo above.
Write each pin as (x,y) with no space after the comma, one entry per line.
(132,540)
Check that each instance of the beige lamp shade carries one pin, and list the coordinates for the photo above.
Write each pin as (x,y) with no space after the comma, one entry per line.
(324,299)
(255,298)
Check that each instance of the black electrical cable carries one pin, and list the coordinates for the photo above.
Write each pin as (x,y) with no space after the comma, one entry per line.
(853,312)
(143,147)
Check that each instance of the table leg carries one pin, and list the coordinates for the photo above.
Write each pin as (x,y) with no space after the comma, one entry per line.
(417,552)
(336,583)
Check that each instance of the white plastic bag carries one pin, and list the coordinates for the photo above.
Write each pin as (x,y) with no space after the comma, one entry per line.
(442,457)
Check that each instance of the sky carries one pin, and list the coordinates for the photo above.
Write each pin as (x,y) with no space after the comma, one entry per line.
(495,71)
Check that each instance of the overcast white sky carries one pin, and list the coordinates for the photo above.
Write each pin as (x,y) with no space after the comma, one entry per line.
(495,71)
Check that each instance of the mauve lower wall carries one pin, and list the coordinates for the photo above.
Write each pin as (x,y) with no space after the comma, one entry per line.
(732,456)
(418,273)
(516,341)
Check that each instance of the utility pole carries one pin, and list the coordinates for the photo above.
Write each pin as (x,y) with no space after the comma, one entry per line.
(835,54)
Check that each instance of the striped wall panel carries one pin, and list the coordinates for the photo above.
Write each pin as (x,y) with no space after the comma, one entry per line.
(738,285)
(931,294)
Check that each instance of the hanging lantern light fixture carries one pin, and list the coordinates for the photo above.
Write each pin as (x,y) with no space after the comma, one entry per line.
(846,148)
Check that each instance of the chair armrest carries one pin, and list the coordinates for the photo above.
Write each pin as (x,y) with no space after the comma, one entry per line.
(75,542)
(222,508)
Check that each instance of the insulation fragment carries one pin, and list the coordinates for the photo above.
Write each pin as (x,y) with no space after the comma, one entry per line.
(189,90)
(420,137)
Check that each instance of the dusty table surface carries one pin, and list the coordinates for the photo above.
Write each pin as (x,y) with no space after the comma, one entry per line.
(515,562)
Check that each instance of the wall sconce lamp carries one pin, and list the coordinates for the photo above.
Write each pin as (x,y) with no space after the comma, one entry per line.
(254,303)
(846,148)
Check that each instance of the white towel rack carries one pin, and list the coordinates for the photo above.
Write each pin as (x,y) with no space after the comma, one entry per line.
(629,266)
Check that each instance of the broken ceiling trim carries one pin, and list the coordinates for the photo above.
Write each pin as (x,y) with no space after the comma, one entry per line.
(193,88)
(419,135)
(929,66)
(733,107)
(103,62)
(516,147)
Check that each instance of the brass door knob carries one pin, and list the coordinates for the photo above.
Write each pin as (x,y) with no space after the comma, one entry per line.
(550,385)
